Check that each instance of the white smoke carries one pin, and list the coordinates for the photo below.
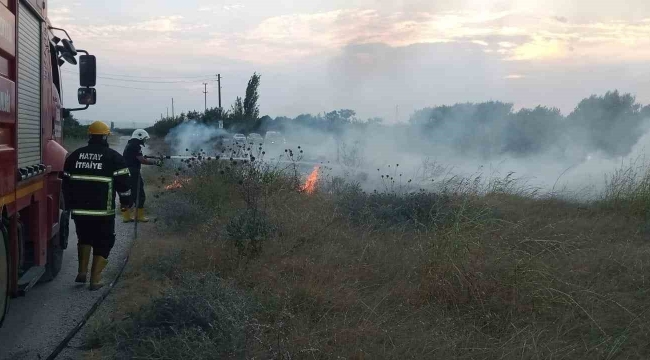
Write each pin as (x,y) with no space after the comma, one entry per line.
(192,136)
(365,153)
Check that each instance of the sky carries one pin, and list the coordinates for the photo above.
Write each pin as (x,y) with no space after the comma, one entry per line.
(382,58)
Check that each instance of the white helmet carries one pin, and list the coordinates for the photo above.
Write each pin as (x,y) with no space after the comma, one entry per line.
(140,134)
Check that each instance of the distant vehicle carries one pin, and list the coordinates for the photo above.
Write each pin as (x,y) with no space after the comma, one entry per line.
(274,138)
(239,138)
(255,138)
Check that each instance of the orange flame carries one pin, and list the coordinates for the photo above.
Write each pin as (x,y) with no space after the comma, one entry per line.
(177,184)
(310,183)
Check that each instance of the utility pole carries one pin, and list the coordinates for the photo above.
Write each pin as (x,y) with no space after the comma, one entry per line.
(219,87)
(167,112)
(173,113)
(205,95)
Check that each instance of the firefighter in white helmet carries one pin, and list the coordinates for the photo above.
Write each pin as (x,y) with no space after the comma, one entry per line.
(134,160)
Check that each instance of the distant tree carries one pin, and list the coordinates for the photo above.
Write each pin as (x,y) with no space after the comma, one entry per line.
(531,131)
(251,108)
(645,112)
(72,128)
(347,114)
(607,123)
(194,115)
(236,116)
(212,115)
(265,123)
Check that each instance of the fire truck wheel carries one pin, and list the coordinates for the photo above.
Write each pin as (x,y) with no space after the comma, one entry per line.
(4,274)
(54,259)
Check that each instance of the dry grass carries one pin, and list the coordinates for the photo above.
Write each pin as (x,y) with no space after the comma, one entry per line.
(479,275)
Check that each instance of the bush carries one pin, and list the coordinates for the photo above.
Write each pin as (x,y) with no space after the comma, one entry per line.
(203,317)
(177,211)
(249,230)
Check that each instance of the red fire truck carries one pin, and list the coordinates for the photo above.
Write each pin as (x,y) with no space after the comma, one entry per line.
(33,225)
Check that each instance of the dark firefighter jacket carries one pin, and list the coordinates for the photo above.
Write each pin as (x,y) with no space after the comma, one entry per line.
(92,175)
(132,150)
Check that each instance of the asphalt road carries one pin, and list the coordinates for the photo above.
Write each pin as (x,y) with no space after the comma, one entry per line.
(38,322)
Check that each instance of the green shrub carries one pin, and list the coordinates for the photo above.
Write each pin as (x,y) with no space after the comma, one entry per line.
(203,317)
(249,230)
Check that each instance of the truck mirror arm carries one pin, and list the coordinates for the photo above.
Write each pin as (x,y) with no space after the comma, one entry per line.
(65,112)
(66,33)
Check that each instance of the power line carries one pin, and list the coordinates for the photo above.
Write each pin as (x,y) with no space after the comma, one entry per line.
(135,88)
(145,81)
(148,77)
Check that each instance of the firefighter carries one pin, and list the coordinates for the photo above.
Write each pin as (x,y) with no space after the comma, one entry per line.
(134,160)
(92,175)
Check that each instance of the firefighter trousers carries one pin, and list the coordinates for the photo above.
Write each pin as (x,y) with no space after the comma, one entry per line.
(96,231)
(137,181)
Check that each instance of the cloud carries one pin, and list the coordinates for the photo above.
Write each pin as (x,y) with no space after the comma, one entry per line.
(60,11)
(217,9)
(514,77)
(516,35)
(512,35)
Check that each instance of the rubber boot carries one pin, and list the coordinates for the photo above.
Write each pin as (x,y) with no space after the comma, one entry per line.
(99,263)
(141,217)
(83,251)
(126,216)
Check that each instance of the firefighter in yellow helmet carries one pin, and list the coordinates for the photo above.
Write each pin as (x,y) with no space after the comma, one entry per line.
(92,175)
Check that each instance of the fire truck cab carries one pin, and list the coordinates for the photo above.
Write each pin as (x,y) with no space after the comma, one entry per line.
(33,223)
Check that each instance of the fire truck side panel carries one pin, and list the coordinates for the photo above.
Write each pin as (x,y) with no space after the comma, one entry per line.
(53,153)
(30,128)
(38,6)
(7,107)
(7,145)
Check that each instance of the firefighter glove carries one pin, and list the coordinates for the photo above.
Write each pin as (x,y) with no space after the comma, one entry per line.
(126,201)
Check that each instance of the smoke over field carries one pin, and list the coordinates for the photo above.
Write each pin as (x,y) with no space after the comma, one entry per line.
(540,147)
(193,136)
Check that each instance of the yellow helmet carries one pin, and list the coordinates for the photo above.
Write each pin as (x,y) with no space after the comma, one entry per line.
(99,128)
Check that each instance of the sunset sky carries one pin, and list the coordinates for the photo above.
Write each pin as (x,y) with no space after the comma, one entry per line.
(371,56)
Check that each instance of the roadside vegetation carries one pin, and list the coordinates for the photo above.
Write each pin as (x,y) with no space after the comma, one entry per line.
(247,260)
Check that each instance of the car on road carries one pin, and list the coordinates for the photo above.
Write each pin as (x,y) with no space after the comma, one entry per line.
(274,138)
(255,139)
(239,138)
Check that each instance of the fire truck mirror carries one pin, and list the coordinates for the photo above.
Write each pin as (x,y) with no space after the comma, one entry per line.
(87,70)
(69,48)
(87,96)
(67,57)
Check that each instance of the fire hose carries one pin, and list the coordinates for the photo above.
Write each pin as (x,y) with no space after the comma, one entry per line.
(73,332)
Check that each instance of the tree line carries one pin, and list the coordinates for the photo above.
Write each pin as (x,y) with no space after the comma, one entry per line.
(611,124)
(243,115)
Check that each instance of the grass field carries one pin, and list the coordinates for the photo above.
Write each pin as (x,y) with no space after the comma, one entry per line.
(243,263)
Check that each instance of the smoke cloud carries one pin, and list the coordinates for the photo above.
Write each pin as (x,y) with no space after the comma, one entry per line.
(541,147)
(193,136)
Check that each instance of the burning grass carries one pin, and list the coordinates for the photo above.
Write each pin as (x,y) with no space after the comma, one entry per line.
(490,272)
